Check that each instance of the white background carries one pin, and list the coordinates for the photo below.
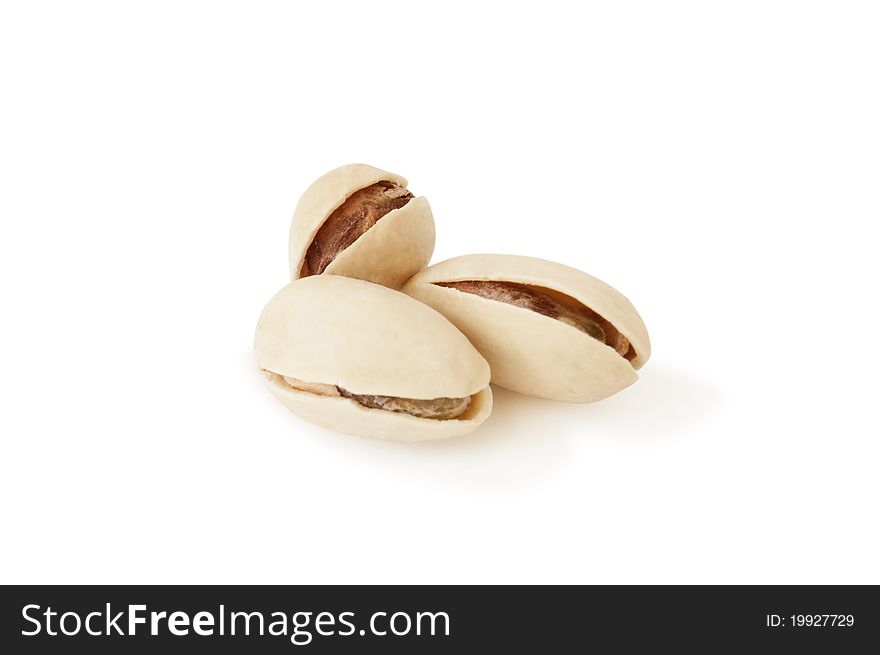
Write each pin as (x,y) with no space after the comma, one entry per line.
(716,162)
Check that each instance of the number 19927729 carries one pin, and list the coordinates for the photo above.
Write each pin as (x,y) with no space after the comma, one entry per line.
(810,621)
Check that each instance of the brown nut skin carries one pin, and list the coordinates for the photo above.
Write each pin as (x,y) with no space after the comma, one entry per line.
(397,244)
(531,352)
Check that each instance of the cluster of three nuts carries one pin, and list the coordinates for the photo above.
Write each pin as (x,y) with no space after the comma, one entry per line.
(343,348)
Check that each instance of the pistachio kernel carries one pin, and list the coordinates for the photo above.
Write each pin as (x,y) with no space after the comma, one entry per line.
(551,304)
(436,408)
(360,211)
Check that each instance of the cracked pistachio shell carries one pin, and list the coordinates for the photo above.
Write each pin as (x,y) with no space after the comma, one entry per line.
(368,339)
(390,252)
(527,351)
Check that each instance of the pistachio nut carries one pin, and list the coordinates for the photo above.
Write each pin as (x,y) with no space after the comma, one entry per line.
(361,222)
(546,329)
(362,359)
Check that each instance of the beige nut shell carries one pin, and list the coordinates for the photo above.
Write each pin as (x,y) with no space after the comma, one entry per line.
(369,340)
(399,245)
(527,351)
